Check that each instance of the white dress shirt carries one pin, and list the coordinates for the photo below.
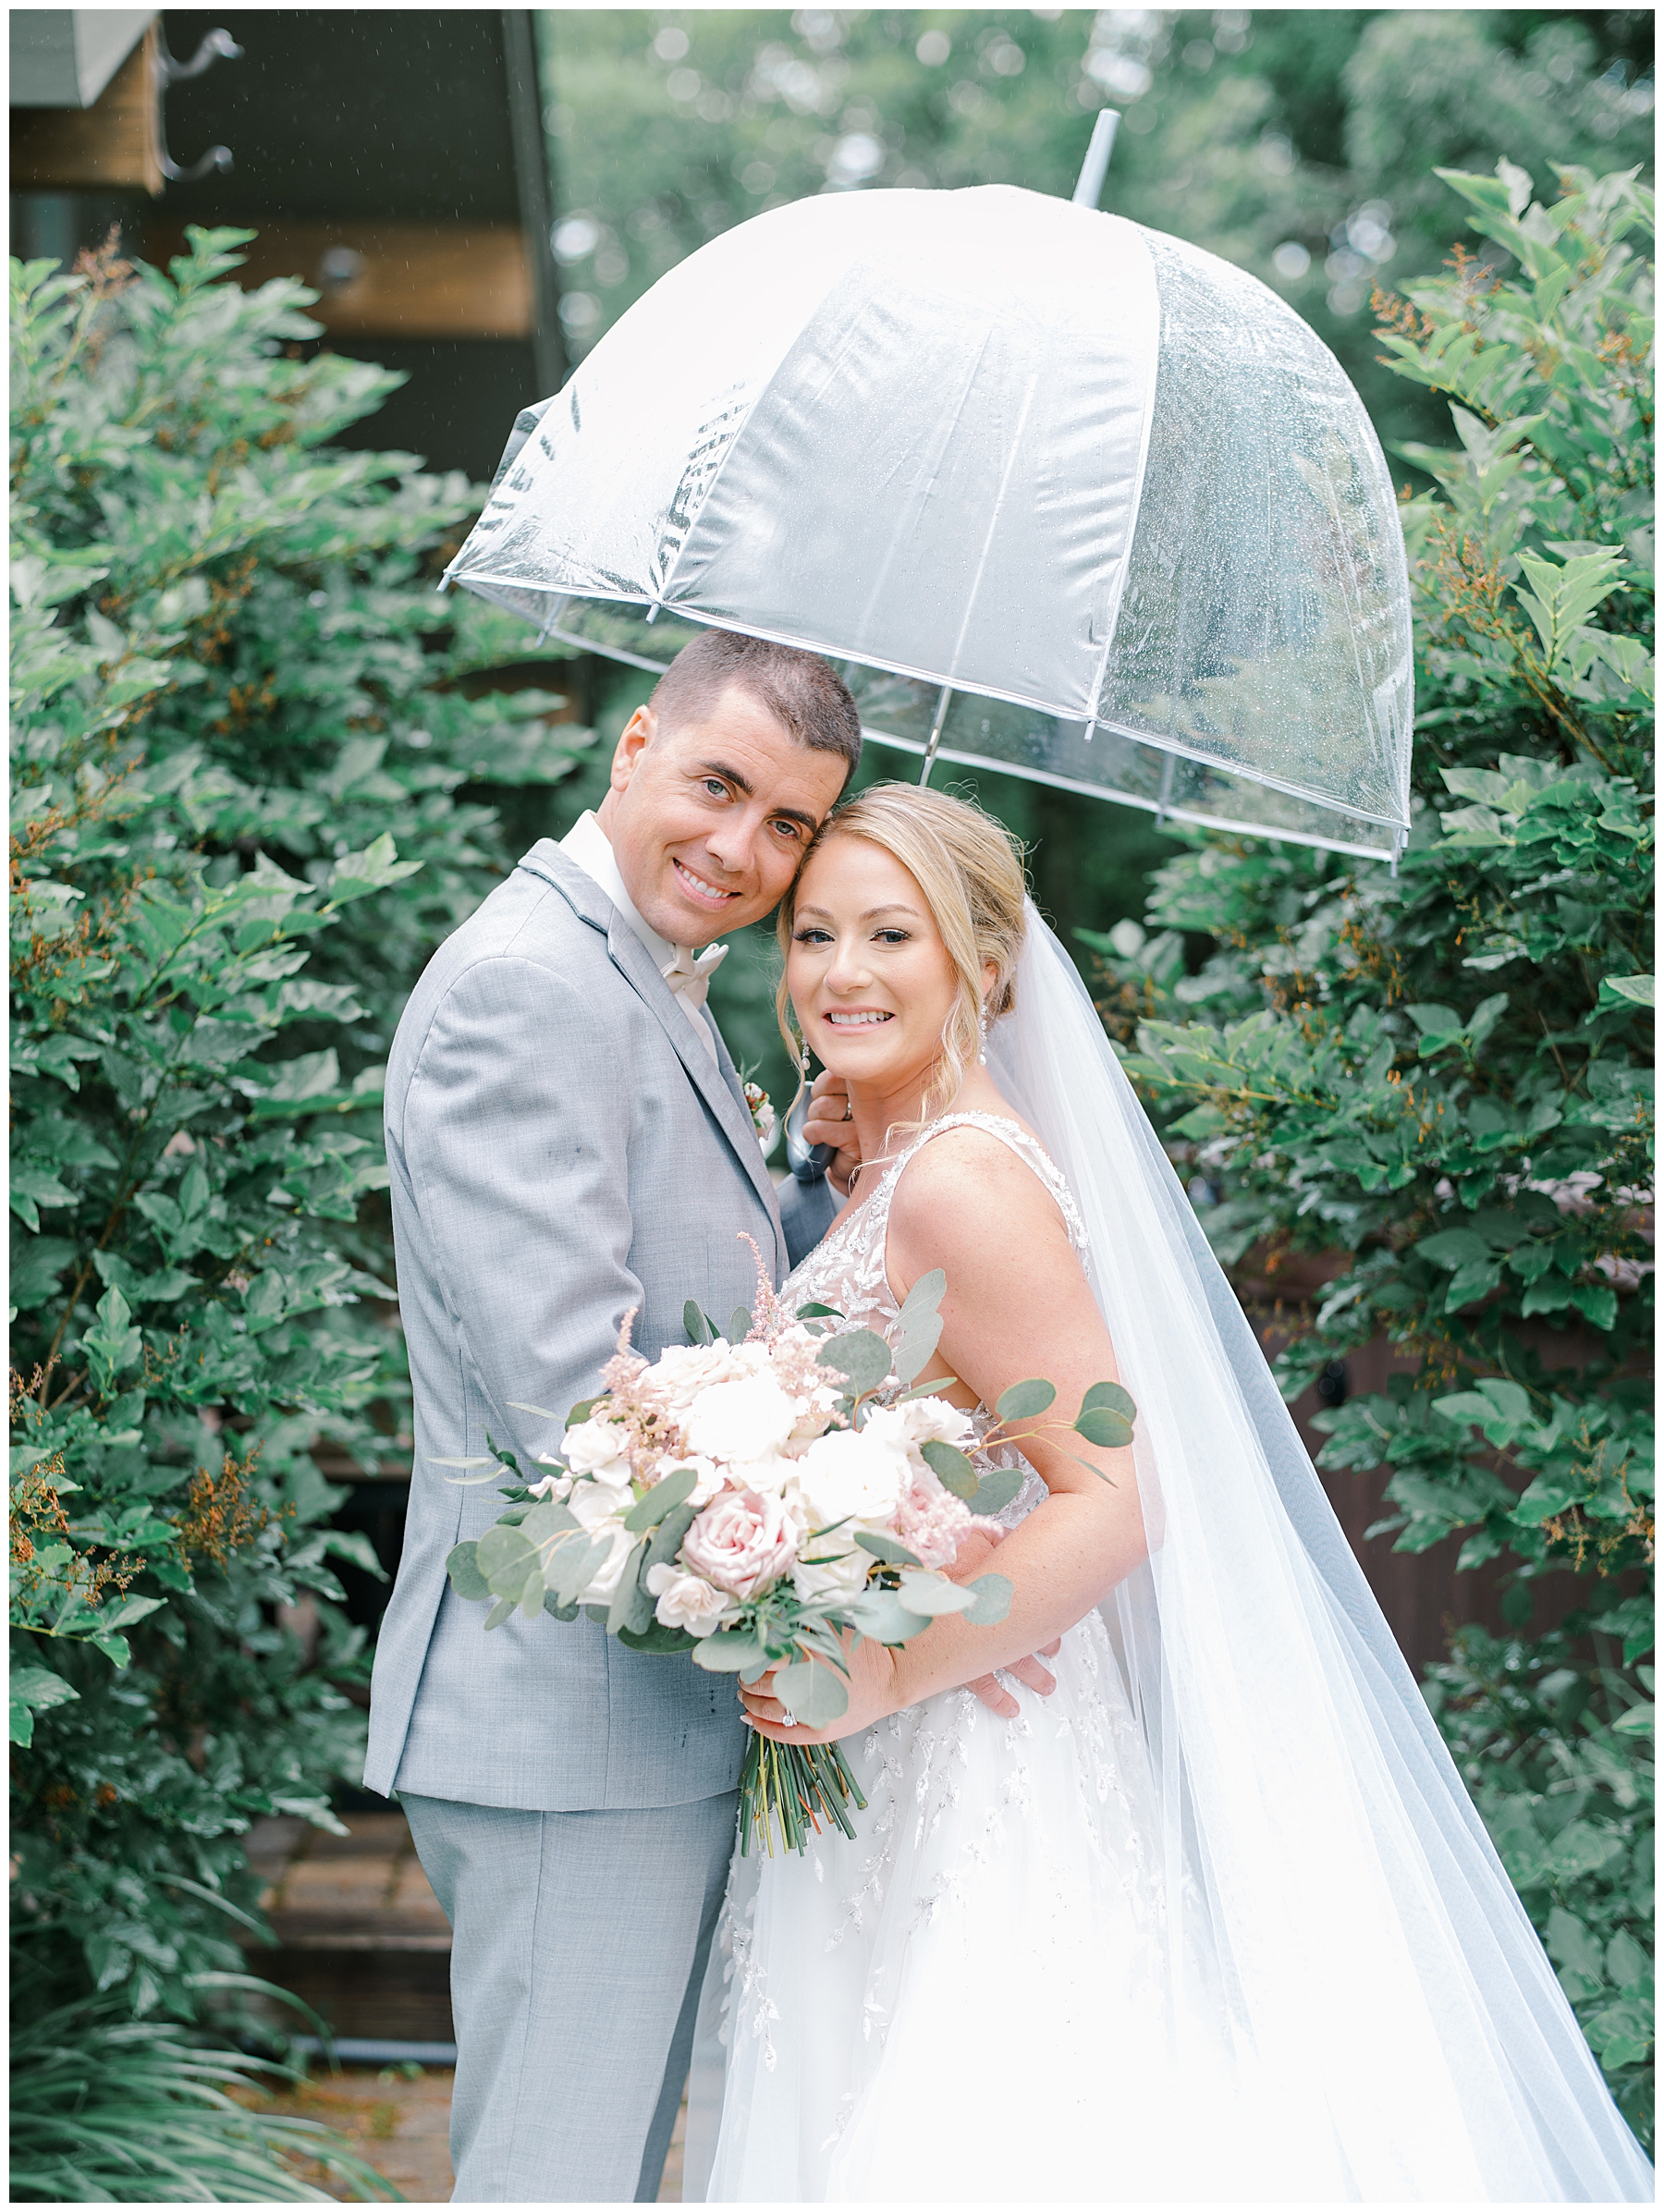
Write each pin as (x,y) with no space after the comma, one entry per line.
(587,843)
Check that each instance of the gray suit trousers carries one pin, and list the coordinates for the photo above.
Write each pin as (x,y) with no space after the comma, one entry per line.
(578,1944)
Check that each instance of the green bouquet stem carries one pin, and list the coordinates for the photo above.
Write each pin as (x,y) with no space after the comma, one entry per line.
(792,1789)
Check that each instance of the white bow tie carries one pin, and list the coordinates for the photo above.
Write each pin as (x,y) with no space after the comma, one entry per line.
(691,978)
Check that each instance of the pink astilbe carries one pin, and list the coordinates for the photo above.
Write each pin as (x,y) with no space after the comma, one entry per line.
(932,1523)
(769,1317)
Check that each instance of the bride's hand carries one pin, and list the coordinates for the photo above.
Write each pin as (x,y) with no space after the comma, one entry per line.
(969,1561)
(872,1696)
(828,1122)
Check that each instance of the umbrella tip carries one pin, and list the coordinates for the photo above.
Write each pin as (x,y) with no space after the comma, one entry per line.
(1090,182)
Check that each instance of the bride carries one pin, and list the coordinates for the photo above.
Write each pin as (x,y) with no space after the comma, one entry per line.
(1216,1919)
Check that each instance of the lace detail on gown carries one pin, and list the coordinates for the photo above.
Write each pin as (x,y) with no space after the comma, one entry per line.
(846,1271)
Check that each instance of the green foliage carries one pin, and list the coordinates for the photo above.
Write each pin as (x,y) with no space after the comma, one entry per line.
(1559,1761)
(1313,131)
(242,721)
(1447,1077)
(108,2110)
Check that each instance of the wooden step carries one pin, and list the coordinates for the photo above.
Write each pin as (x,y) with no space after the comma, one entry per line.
(360,1938)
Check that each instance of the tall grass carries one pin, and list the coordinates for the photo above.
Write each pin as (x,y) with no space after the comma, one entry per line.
(108,2110)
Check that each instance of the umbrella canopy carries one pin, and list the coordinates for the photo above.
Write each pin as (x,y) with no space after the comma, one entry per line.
(1073,499)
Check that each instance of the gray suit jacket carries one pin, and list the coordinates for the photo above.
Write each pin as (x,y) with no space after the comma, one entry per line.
(562,1150)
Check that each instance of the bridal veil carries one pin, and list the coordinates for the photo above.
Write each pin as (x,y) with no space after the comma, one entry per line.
(1335,1907)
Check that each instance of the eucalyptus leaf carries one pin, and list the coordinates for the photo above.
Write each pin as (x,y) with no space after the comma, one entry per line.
(886,1548)
(1099,1425)
(919,1326)
(740,1325)
(859,1356)
(812,1694)
(992,1596)
(952,1465)
(664,1498)
(570,1564)
(667,1537)
(542,1412)
(1111,1395)
(656,1637)
(501,1611)
(730,1651)
(997,1490)
(466,1579)
(1024,1400)
(818,1312)
(630,1607)
(502,1556)
(581,1411)
(881,1615)
(926,1592)
(696,1328)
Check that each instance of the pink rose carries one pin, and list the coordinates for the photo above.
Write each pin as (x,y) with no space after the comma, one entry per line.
(741,1541)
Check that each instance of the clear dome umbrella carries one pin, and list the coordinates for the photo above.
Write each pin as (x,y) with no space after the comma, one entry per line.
(1065,496)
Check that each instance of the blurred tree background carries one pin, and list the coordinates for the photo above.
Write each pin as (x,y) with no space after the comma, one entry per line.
(1298,143)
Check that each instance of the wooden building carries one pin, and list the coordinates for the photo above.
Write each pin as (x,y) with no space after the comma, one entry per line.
(395,158)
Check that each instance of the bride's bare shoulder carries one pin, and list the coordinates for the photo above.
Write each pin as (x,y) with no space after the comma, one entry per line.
(965,1188)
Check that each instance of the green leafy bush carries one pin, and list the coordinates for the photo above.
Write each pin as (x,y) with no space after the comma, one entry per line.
(242,720)
(1446,1078)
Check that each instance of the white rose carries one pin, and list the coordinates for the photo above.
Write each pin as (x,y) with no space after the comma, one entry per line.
(708,1477)
(685,1601)
(831,1570)
(860,1474)
(682,1370)
(599,1510)
(597,1447)
(741,1421)
(933,1419)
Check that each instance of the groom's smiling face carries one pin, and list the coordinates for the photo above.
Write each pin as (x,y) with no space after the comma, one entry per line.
(710,819)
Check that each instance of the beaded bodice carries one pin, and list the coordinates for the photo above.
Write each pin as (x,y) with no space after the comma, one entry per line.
(847,1270)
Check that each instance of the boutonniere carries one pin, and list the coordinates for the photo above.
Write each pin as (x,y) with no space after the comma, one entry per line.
(763,1116)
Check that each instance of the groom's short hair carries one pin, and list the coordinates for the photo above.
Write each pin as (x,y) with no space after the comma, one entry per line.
(807,698)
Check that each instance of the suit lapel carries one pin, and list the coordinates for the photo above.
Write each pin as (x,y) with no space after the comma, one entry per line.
(718,1081)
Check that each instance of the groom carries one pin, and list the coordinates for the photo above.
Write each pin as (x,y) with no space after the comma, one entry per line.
(569,1142)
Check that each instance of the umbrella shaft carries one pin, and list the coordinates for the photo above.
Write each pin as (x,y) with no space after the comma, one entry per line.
(936,733)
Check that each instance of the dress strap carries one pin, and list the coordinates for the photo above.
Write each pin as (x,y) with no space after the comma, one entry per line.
(1028,1149)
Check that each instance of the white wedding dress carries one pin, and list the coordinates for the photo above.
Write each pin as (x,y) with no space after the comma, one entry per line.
(1217,1921)
(966,2004)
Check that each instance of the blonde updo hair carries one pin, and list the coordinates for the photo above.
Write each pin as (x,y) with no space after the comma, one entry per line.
(970,868)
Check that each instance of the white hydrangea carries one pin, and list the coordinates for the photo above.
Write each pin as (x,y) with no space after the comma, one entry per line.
(741,1421)
(860,1474)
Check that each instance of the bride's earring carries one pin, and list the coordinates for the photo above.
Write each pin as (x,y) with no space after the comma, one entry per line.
(981,1049)
(804,1058)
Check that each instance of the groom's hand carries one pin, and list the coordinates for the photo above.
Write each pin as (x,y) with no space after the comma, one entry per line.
(827,1123)
(969,1561)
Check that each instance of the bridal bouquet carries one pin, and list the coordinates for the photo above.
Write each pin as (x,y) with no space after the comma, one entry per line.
(753,1499)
